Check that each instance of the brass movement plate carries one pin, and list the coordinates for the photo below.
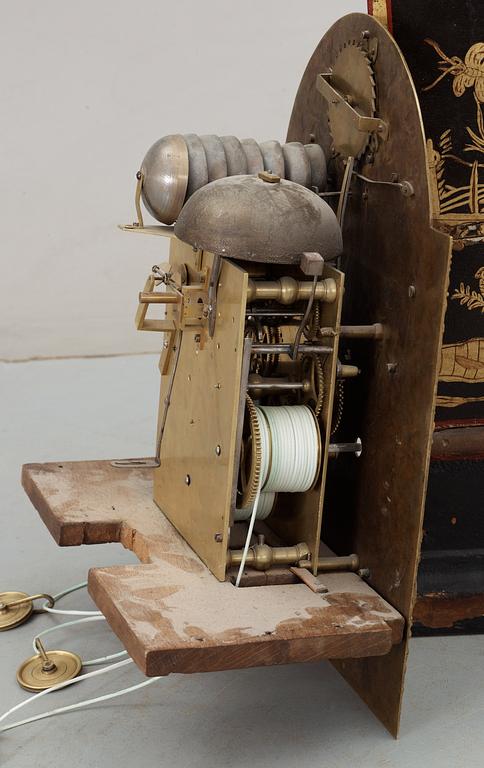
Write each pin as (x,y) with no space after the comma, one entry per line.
(396,269)
(195,479)
(32,677)
(13,617)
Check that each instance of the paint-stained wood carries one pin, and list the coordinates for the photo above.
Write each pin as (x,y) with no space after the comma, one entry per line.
(443,611)
(170,612)
(457,443)
(396,268)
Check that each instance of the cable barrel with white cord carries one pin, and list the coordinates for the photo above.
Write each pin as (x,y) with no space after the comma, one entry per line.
(295,447)
(287,454)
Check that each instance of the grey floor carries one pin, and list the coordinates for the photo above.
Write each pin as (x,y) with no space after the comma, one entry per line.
(290,716)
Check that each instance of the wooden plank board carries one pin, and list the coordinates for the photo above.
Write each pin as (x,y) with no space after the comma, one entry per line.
(396,271)
(170,612)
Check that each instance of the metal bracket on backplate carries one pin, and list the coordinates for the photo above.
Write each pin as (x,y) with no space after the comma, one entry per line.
(361,122)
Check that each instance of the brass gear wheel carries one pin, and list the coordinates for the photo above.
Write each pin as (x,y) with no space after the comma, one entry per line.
(264,364)
(338,407)
(313,371)
(251,447)
(352,75)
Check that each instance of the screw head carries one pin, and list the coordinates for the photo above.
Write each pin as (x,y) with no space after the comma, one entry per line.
(218,537)
(188,479)
(411,291)
(218,450)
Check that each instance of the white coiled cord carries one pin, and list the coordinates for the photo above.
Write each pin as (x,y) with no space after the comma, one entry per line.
(89,662)
(64,612)
(294,453)
(290,456)
(88,617)
(266,503)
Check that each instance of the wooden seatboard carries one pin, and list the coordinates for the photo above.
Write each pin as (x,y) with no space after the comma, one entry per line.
(389,247)
(170,612)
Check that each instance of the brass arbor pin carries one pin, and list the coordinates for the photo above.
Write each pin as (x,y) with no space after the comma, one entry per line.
(16,607)
(46,669)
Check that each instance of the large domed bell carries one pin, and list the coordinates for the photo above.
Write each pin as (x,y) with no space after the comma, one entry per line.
(259,218)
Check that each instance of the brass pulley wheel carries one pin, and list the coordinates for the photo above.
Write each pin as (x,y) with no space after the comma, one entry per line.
(16,607)
(351,75)
(48,668)
(12,616)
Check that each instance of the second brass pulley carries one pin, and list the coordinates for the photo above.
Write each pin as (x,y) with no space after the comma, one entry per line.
(47,669)
(13,615)
(16,607)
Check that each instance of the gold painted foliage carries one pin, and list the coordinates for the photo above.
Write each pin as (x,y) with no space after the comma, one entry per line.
(466,74)
(470,298)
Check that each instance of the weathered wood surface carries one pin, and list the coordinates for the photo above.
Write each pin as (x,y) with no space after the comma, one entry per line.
(443,611)
(457,443)
(170,612)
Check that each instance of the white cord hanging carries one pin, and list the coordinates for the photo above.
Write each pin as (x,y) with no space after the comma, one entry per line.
(290,457)
(91,616)
(79,704)
(64,593)
(264,509)
(89,662)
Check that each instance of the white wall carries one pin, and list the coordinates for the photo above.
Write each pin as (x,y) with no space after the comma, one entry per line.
(86,89)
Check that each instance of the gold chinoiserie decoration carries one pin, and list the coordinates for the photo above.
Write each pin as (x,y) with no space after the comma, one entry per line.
(458,204)
(469,297)
(463,362)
